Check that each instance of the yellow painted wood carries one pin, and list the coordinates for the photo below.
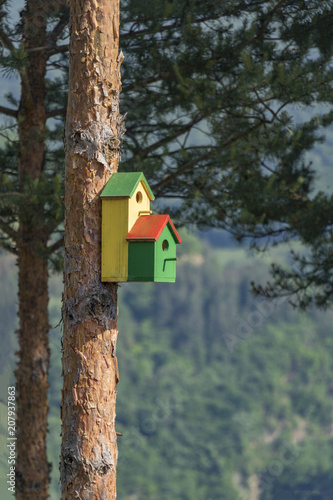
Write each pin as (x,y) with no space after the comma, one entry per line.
(118,217)
(135,206)
(114,244)
(145,212)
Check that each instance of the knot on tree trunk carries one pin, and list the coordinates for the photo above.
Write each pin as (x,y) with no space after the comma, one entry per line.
(97,304)
(97,141)
(72,462)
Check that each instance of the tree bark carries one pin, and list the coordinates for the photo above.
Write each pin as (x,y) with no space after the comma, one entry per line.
(32,469)
(94,129)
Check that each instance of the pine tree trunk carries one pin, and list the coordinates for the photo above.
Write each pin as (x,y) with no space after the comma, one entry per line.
(32,470)
(93,144)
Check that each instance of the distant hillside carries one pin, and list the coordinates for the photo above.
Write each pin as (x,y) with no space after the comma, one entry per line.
(221,396)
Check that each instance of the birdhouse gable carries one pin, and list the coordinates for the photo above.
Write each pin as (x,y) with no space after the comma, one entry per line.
(125,184)
(152,245)
(150,228)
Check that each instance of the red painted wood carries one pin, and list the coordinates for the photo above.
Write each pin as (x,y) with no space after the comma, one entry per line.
(150,227)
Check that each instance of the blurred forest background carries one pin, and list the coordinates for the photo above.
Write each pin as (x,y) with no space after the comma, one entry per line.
(221,395)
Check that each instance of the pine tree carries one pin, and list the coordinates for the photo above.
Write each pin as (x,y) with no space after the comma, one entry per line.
(30,212)
(231,69)
(245,74)
(93,141)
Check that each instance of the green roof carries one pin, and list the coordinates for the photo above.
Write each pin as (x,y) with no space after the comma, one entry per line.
(123,184)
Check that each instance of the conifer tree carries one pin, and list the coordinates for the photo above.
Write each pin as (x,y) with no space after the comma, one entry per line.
(231,69)
(93,139)
(255,78)
(30,212)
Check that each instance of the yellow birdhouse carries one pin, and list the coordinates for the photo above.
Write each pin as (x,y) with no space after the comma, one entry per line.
(125,198)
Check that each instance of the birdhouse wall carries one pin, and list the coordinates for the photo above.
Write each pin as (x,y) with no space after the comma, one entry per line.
(153,260)
(115,217)
(118,217)
(141,261)
(139,202)
(165,257)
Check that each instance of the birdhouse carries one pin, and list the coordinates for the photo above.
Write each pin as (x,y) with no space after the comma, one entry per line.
(136,246)
(152,249)
(125,197)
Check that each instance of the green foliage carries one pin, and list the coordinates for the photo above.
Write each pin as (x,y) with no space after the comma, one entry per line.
(27,199)
(16,61)
(198,420)
(195,416)
(240,72)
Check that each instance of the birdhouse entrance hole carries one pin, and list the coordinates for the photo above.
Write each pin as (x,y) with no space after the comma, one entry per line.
(139,197)
(165,245)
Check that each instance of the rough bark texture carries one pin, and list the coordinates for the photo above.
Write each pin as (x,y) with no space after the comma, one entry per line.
(93,144)
(32,469)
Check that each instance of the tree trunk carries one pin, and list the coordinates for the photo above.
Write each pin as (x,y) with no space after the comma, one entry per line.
(32,470)
(93,144)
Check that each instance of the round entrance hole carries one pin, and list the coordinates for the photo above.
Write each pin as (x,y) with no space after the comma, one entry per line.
(165,245)
(139,197)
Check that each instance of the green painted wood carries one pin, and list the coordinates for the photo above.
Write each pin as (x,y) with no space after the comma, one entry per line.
(141,261)
(123,184)
(165,257)
(153,260)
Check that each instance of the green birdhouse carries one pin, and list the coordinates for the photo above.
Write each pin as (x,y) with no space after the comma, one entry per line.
(152,249)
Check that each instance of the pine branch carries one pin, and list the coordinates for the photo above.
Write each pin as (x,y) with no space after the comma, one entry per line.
(6,41)
(8,111)
(130,134)
(187,168)
(8,247)
(146,81)
(25,83)
(145,152)
(55,246)
(270,17)
(190,166)
(37,49)
(7,229)
(12,193)
(56,112)
(59,27)
(167,27)
(51,50)
(58,49)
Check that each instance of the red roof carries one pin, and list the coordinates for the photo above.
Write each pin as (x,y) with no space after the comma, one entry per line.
(150,227)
